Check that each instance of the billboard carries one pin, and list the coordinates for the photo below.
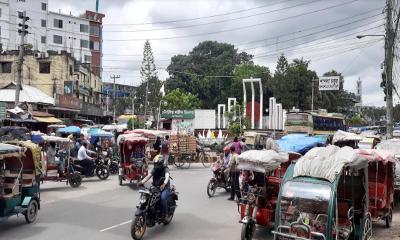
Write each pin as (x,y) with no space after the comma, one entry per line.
(329,83)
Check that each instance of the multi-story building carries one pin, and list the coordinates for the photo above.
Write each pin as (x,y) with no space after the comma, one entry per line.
(75,88)
(81,36)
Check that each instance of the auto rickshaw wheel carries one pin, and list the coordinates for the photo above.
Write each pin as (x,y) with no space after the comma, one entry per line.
(389,218)
(138,227)
(247,231)
(211,188)
(31,211)
(102,172)
(75,180)
(113,168)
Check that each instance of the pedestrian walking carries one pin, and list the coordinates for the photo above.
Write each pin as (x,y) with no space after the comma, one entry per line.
(234,174)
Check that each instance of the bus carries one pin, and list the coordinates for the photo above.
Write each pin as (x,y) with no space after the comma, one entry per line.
(313,123)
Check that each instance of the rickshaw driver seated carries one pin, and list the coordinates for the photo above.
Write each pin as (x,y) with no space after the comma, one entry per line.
(227,160)
(51,157)
(84,159)
(160,172)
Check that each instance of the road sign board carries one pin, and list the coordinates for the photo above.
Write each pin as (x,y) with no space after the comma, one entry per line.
(329,83)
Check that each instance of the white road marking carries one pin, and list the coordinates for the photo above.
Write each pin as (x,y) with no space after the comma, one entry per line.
(115,226)
(48,202)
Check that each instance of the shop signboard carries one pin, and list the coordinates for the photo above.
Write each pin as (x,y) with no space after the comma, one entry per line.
(181,114)
(68,101)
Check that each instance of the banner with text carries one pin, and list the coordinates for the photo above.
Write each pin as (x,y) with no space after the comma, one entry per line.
(329,83)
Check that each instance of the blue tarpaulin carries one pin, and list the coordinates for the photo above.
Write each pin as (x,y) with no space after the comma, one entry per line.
(70,129)
(99,134)
(300,143)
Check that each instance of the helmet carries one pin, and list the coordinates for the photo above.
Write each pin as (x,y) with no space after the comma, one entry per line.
(158,161)
(227,149)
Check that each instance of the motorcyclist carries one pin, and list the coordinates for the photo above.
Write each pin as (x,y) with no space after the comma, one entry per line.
(227,159)
(160,172)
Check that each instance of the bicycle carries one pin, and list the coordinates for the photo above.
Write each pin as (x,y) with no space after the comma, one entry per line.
(205,157)
(183,161)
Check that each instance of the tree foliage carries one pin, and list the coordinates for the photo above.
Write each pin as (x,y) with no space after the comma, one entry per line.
(190,72)
(214,71)
(179,100)
(149,89)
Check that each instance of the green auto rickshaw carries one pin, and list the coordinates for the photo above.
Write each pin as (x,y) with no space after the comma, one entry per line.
(324,196)
(19,180)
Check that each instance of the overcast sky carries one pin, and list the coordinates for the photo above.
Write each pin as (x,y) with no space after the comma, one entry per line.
(319,30)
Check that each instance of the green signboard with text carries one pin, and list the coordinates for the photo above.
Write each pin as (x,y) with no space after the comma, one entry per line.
(183,114)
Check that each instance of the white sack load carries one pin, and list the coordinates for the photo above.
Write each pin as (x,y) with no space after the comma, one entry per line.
(261,160)
(342,136)
(328,162)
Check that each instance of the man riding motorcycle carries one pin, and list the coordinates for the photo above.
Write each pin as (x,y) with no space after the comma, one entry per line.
(227,159)
(160,172)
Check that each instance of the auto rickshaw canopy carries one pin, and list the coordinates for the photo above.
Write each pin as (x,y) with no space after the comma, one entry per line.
(328,162)
(262,161)
(36,154)
(374,155)
(47,138)
(8,150)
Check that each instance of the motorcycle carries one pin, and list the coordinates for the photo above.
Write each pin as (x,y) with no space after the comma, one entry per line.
(111,162)
(148,213)
(218,180)
(100,169)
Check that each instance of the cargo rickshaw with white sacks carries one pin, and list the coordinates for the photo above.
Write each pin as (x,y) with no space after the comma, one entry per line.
(261,174)
(325,196)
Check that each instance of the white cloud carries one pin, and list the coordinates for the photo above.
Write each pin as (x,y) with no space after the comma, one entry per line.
(363,63)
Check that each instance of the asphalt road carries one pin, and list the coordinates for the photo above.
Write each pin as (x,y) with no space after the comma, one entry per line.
(103,210)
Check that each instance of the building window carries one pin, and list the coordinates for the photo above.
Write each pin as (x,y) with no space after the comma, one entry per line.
(44,67)
(43,39)
(58,23)
(5,67)
(84,28)
(44,7)
(0,12)
(71,71)
(94,30)
(44,23)
(94,45)
(84,43)
(88,58)
(57,39)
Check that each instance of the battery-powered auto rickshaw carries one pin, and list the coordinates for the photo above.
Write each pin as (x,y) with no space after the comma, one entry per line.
(324,195)
(261,174)
(393,145)
(19,185)
(380,183)
(133,165)
(62,169)
(103,144)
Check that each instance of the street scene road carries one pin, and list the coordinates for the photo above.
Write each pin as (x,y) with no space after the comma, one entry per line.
(103,210)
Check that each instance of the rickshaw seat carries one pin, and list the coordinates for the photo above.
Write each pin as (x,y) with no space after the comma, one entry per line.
(344,224)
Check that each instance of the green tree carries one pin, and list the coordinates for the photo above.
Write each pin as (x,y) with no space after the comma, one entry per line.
(340,101)
(209,58)
(150,86)
(292,83)
(179,100)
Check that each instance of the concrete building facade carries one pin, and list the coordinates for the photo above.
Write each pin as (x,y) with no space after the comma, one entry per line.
(78,35)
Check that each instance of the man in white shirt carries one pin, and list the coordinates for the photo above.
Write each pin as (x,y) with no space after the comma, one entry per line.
(84,159)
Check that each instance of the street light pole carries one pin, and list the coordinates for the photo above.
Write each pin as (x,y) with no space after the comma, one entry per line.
(114,98)
(390,37)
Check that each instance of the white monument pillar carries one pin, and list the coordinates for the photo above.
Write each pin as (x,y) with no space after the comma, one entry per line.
(223,107)
(232,106)
(252,81)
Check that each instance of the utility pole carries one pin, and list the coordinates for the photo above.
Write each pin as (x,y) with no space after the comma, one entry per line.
(114,98)
(390,38)
(22,32)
